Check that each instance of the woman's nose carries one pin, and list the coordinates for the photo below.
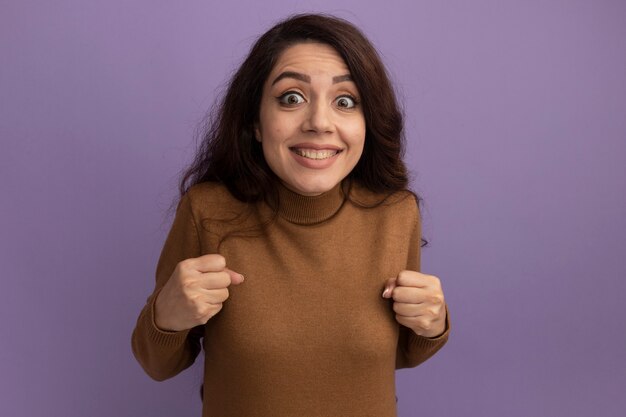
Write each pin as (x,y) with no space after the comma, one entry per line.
(319,118)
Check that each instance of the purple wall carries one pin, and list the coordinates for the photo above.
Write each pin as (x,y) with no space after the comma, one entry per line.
(516,117)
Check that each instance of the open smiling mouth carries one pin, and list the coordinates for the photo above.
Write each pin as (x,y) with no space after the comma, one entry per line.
(315,153)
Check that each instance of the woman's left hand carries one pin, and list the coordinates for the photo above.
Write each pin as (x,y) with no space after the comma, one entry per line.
(418,302)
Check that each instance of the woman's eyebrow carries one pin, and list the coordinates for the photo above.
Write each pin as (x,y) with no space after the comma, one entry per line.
(292,74)
(305,78)
(342,78)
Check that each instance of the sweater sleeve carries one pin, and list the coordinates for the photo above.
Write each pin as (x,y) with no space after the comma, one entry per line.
(164,354)
(412,348)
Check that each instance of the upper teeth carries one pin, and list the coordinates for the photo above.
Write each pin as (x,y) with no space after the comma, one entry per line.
(316,154)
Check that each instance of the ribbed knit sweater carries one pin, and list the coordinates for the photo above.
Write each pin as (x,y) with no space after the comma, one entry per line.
(307,334)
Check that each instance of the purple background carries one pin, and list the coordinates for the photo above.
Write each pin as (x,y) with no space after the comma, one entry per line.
(516,119)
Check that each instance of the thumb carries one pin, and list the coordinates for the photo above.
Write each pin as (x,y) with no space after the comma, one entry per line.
(389,286)
(235,277)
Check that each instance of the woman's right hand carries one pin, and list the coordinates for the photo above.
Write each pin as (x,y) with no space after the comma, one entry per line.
(194,293)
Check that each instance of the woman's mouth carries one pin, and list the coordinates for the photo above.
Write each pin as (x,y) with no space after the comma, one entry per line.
(315,154)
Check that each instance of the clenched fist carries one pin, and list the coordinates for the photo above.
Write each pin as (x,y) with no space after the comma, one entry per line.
(194,293)
(418,302)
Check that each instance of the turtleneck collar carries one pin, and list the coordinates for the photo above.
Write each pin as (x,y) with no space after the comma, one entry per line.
(305,210)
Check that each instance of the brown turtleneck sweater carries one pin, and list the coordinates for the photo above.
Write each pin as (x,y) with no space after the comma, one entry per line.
(307,333)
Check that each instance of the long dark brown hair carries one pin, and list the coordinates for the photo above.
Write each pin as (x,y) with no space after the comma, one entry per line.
(228,152)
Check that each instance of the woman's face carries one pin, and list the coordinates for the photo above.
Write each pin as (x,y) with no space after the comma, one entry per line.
(311,125)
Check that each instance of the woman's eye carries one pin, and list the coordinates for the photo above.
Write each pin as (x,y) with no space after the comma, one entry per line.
(291,98)
(346,102)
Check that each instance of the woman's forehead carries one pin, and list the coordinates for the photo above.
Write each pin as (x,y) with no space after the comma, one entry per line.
(310,57)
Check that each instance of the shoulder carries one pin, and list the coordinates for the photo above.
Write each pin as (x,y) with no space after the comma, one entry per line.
(396,211)
(403,201)
(212,199)
(209,190)
(394,217)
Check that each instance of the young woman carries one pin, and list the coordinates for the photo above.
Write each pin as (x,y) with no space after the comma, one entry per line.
(300,187)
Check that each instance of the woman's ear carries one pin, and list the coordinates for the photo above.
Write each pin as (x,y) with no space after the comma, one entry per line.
(257,132)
